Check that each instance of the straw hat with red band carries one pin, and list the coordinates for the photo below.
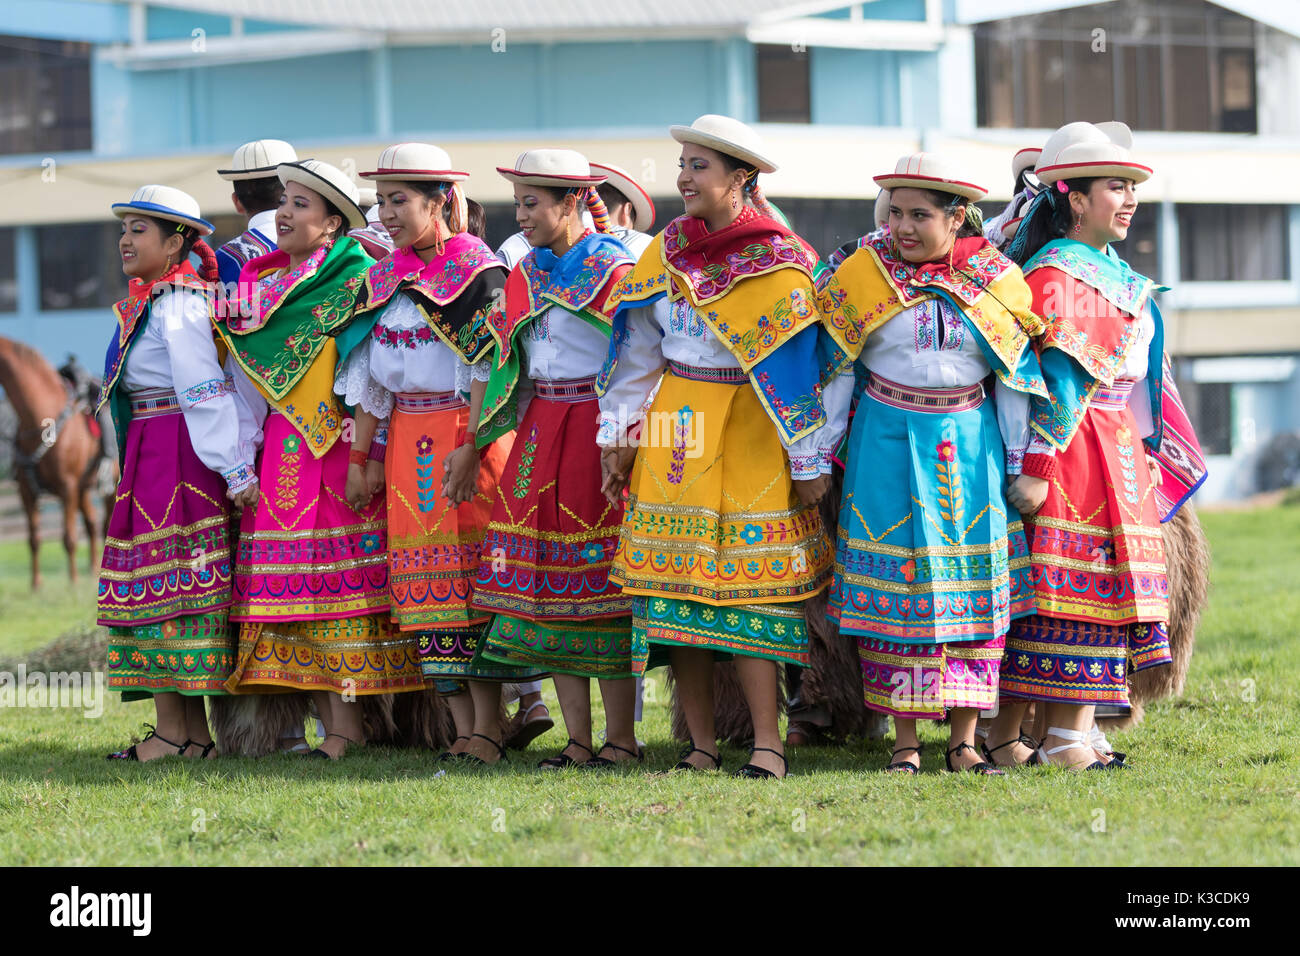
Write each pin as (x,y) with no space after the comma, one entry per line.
(258,160)
(728,136)
(622,180)
(929,171)
(330,182)
(1087,150)
(1024,159)
(422,162)
(562,168)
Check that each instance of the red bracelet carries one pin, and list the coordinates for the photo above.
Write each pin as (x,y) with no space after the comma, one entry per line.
(356,457)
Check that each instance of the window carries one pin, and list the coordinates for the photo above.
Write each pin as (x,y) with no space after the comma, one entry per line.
(80,265)
(826,224)
(784,87)
(1212,417)
(1154,64)
(44,95)
(1219,242)
(8,272)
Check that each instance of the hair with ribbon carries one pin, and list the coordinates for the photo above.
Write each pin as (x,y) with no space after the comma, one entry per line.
(1048,217)
(596,206)
(190,242)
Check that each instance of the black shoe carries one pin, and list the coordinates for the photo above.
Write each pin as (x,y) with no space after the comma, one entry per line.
(599,761)
(692,749)
(562,760)
(130,752)
(447,755)
(902,766)
(755,772)
(1025,739)
(473,759)
(983,767)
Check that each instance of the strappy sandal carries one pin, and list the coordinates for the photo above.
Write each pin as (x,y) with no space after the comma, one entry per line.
(983,767)
(470,758)
(902,766)
(599,761)
(753,771)
(321,754)
(1076,738)
(1024,738)
(130,753)
(530,730)
(682,763)
(207,748)
(447,755)
(562,760)
(1099,743)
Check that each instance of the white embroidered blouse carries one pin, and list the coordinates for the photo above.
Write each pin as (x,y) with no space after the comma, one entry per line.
(663,332)
(402,354)
(176,350)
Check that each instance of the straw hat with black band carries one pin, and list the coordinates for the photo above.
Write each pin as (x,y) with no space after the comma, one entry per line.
(258,160)
(330,183)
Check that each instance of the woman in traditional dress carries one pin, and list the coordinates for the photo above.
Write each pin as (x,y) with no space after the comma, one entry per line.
(931,564)
(721,539)
(415,349)
(1091,478)
(311,569)
(553,533)
(188,447)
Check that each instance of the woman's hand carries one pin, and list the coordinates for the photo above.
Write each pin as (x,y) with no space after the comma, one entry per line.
(812,490)
(374,477)
(356,492)
(1027,494)
(1154,468)
(245,498)
(616,471)
(460,474)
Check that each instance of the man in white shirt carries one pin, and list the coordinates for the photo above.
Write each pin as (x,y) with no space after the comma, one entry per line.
(630,207)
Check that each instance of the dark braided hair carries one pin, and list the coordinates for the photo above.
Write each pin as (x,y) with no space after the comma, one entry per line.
(1048,218)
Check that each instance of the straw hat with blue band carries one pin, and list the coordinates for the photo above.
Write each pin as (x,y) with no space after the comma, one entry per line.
(330,182)
(165,202)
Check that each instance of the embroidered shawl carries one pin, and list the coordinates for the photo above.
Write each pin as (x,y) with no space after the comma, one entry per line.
(873,284)
(1090,303)
(581,282)
(132,315)
(438,290)
(752,284)
(283,334)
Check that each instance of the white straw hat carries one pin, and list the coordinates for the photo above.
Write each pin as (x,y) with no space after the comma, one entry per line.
(726,135)
(929,171)
(165,202)
(1079,150)
(622,180)
(880,214)
(421,162)
(552,167)
(258,160)
(1024,159)
(330,182)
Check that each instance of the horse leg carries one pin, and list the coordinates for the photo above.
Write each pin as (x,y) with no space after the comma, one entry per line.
(70,531)
(91,525)
(29,501)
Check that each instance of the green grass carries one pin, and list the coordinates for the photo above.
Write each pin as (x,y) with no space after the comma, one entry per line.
(1215,780)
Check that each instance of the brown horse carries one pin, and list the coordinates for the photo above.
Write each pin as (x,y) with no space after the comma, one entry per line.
(55,433)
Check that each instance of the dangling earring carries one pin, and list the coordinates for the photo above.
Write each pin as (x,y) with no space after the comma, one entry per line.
(735,204)
(1077,226)
(568,231)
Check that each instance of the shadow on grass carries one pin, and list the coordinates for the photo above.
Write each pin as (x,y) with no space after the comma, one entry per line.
(37,762)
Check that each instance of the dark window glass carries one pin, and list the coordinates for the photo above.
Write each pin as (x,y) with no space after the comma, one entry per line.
(784,87)
(1212,419)
(1222,242)
(8,272)
(1154,64)
(80,266)
(44,95)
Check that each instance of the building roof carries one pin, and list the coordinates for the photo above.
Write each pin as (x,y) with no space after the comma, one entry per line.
(482,16)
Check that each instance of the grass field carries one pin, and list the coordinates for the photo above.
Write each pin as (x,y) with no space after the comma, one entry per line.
(1216,777)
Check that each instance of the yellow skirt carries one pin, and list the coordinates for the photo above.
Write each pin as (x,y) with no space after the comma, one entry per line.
(713,516)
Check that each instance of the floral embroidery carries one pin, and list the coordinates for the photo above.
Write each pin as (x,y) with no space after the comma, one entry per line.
(424,490)
(751,534)
(205,391)
(951,502)
(524,474)
(402,338)
(1127,463)
(370,543)
(593,552)
(291,444)
(681,431)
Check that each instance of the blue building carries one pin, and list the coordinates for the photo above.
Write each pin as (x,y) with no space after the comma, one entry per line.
(100,96)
